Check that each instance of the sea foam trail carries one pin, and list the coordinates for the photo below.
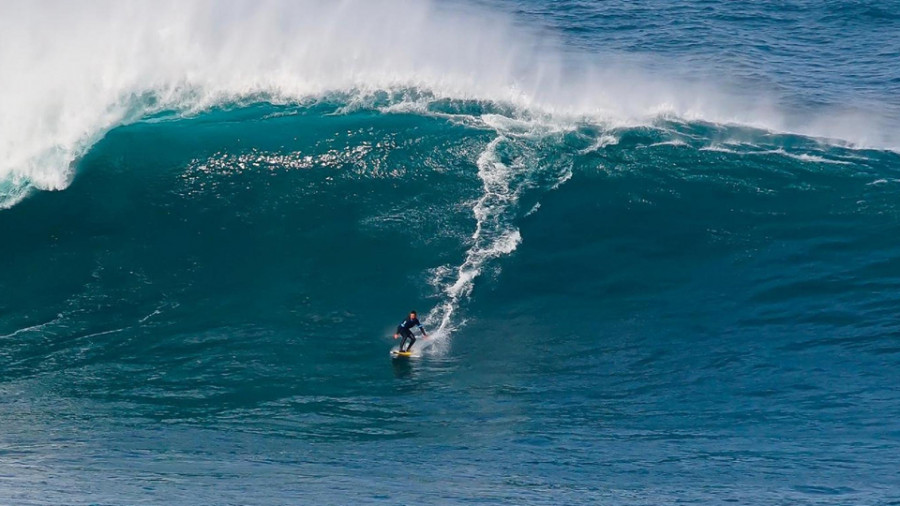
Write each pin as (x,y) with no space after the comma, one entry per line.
(509,165)
(73,71)
(494,236)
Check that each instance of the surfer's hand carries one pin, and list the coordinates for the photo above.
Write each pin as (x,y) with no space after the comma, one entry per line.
(396,336)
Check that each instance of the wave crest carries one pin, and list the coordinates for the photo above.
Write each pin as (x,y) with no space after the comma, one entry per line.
(72,72)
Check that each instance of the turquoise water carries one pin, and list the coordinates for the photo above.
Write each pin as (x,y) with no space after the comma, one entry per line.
(674,307)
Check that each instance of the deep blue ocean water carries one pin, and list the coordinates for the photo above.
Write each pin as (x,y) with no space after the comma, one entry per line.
(687,305)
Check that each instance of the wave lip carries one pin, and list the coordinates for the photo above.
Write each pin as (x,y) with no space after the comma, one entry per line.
(72,72)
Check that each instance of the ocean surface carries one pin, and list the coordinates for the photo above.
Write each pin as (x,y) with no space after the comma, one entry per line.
(656,246)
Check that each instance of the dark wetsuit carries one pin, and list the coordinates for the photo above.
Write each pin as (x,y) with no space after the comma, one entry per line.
(405,330)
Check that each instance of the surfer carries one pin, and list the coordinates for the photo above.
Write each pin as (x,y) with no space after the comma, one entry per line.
(405,330)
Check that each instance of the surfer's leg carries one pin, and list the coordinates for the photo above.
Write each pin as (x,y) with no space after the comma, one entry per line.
(407,335)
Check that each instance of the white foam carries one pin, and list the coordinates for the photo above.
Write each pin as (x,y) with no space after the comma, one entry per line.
(504,176)
(602,141)
(879,182)
(804,157)
(494,236)
(674,143)
(718,148)
(71,71)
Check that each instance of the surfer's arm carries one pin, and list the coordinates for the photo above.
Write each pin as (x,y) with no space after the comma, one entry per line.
(423,330)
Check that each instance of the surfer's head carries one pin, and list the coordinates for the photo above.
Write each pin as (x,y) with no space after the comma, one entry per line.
(412,314)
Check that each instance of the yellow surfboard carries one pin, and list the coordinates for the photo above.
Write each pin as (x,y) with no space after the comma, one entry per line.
(400,354)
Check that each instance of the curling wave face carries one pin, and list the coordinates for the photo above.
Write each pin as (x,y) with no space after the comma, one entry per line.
(235,276)
(72,72)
